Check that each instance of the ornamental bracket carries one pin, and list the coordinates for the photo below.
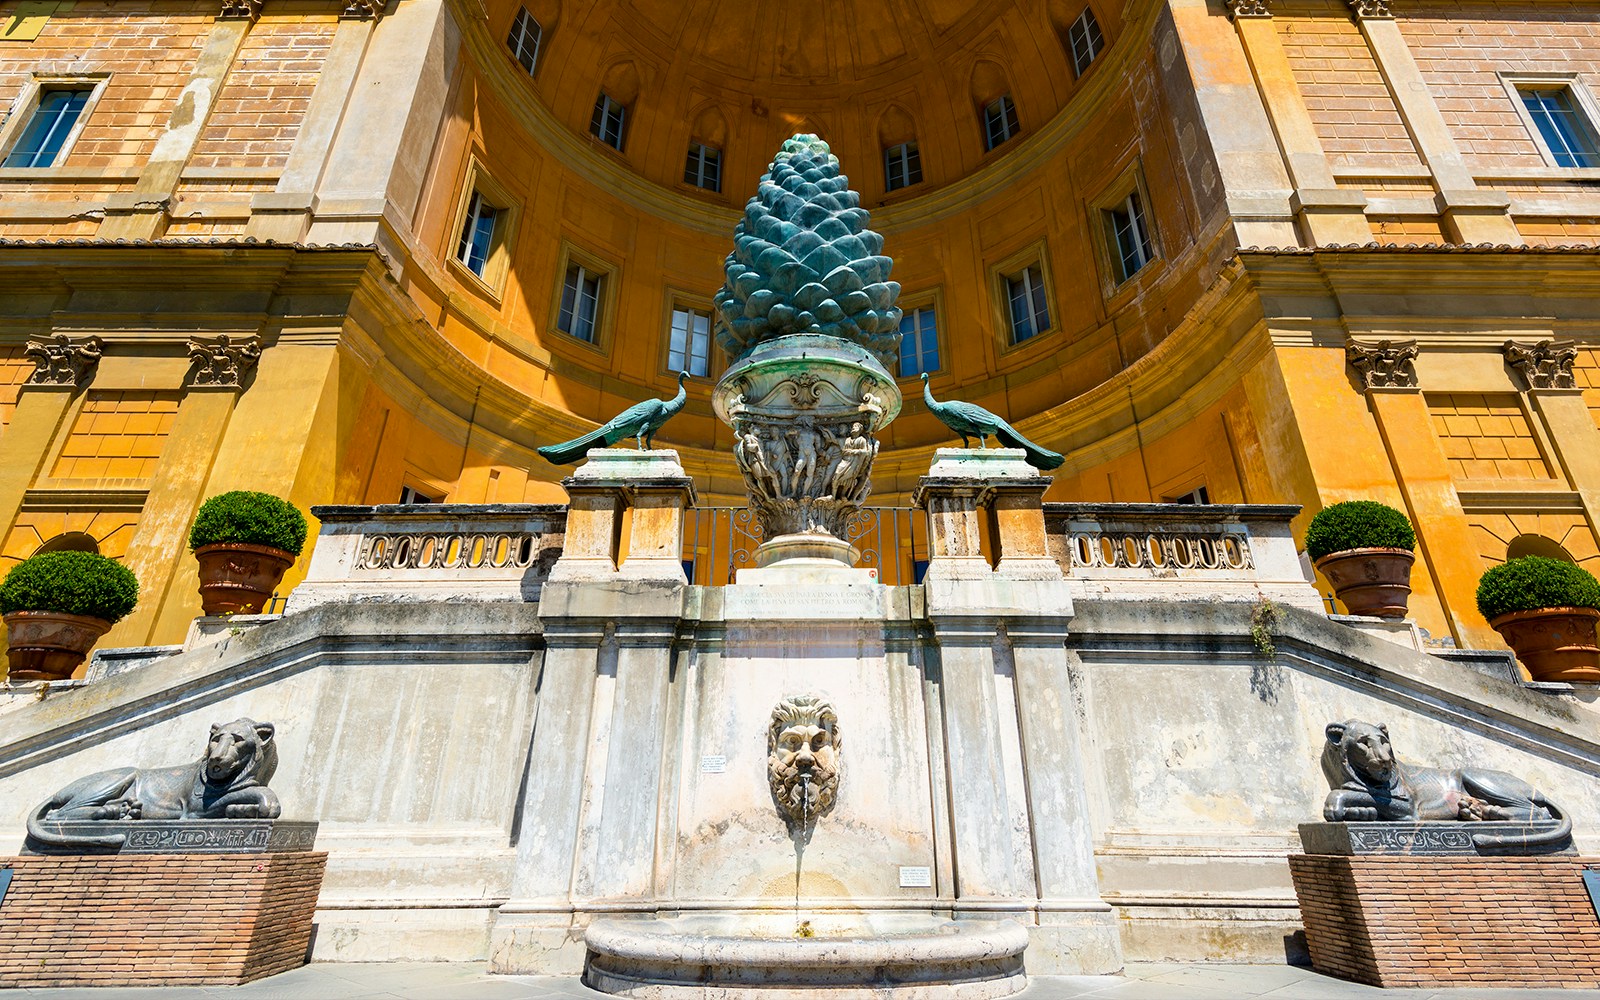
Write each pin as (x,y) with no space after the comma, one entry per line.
(1544,365)
(1388,364)
(1247,8)
(222,362)
(1364,10)
(242,10)
(63,361)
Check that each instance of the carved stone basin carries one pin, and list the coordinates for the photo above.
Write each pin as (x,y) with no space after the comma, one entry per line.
(906,955)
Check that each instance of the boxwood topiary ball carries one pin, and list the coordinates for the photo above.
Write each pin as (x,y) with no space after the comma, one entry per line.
(70,583)
(1533,583)
(247,518)
(1358,524)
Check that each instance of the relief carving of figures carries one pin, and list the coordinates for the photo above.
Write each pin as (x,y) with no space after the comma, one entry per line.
(1388,364)
(1544,365)
(223,362)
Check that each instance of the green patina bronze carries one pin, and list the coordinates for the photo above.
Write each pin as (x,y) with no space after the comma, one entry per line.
(804,261)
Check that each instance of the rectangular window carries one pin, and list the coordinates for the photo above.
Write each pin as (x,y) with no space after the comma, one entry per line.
(919,342)
(1086,41)
(524,40)
(1198,495)
(704,168)
(609,122)
(580,303)
(1030,312)
(902,166)
(1567,133)
(999,121)
(47,131)
(1129,237)
(477,235)
(409,495)
(689,342)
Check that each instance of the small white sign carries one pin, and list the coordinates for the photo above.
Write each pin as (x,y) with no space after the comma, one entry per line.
(714,763)
(916,877)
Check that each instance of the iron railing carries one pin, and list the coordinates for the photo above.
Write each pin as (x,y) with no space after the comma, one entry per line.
(719,541)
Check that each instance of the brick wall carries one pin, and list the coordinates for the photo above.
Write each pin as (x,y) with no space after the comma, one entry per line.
(156,919)
(1354,114)
(1427,922)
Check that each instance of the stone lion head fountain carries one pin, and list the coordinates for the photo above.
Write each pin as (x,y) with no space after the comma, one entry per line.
(803,758)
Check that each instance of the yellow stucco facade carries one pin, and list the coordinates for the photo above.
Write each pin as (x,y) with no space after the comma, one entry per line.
(1314,178)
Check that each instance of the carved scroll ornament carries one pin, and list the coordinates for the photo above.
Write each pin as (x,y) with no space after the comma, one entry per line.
(223,362)
(1544,365)
(1388,364)
(63,360)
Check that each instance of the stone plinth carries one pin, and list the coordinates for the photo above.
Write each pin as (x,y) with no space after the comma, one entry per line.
(625,517)
(188,836)
(1435,922)
(156,920)
(1438,839)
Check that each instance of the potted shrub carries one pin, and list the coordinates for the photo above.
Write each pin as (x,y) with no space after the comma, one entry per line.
(244,542)
(1364,549)
(1546,610)
(57,605)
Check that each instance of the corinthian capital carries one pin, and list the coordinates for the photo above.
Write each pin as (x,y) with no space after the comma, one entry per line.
(247,10)
(222,362)
(363,9)
(1543,365)
(63,360)
(1388,364)
(1247,8)
(1364,9)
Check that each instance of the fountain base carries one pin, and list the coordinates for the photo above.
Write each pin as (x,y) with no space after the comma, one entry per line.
(902,955)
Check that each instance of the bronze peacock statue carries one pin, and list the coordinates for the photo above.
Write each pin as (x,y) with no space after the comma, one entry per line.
(639,421)
(972,421)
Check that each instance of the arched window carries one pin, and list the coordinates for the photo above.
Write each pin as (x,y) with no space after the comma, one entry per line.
(1537,545)
(70,541)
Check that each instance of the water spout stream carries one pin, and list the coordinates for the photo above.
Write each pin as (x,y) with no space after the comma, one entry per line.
(802,928)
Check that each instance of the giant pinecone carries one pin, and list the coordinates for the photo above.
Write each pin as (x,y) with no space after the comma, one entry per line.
(804,260)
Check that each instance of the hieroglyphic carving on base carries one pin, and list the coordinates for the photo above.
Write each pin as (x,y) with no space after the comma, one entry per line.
(62,360)
(803,762)
(1544,365)
(1388,364)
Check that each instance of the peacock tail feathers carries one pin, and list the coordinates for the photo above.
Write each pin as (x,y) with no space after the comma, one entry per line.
(804,260)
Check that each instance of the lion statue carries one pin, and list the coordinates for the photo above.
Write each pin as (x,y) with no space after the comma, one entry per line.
(803,757)
(228,782)
(1370,784)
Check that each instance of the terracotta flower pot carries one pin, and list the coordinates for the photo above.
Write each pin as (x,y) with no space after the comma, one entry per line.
(1375,582)
(238,579)
(1555,644)
(48,646)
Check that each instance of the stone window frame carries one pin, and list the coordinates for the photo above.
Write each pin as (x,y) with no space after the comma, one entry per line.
(1129,181)
(610,273)
(479,182)
(27,103)
(1582,98)
(674,300)
(1000,273)
(933,299)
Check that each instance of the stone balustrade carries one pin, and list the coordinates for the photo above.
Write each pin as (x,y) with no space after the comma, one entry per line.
(431,552)
(1156,551)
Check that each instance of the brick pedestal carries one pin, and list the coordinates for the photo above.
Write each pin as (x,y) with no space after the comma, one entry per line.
(1454,921)
(156,919)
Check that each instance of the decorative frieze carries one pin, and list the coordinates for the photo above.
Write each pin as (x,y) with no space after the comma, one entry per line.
(247,10)
(222,362)
(1546,364)
(1247,8)
(63,360)
(1388,364)
(1363,10)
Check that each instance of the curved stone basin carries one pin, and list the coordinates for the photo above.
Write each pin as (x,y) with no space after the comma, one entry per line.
(909,956)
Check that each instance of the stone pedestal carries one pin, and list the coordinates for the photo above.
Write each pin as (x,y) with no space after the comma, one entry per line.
(1435,922)
(156,919)
(625,517)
